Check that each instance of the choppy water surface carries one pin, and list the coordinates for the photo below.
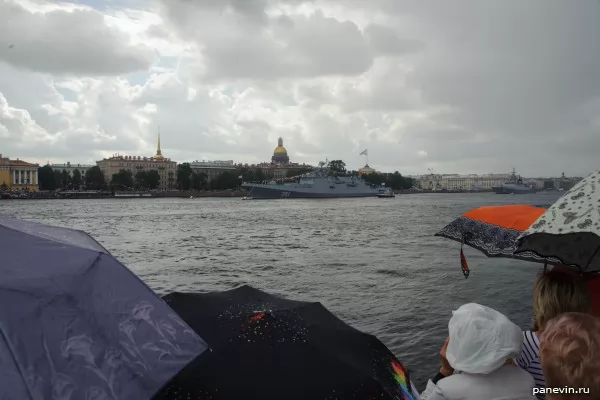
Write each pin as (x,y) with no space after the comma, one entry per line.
(373,262)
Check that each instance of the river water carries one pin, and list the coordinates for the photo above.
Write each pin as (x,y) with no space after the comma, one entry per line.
(373,262)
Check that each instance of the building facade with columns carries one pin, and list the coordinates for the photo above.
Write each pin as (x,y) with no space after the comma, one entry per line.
(461,182)
(167,169)
(71,167)
(18,174)
(212,169)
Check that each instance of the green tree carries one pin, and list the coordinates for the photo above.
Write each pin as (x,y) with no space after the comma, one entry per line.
(76,179)
(58,178)
(198,181)
(184,176)
(247,175)
(374,178)
(259,175)
(147,179)
(65,179)
(396,181)
(94,179)
(252,175)
(140,180)
(122,180)
(46,179)
(337,167)
(225,180)
(152,179)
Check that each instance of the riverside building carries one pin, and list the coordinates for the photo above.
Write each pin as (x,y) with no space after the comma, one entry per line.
(279,166)
(18,175)
(212,169)
(70,168)
(460,182)
(166,168)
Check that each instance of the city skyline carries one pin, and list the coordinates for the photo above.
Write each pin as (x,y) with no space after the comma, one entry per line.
(224,79)
(443,174)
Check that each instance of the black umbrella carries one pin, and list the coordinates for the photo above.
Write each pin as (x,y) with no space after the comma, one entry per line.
(267,347)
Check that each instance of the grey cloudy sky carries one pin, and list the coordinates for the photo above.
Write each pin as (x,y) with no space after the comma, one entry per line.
(462,86)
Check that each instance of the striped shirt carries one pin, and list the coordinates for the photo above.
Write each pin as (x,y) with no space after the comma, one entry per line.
(530,360)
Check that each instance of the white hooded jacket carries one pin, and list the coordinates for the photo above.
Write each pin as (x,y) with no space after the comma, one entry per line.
(481,341)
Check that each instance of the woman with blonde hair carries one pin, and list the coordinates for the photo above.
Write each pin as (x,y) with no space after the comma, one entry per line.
(555,292)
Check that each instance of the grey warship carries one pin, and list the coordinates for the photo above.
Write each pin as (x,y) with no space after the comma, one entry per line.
(318,184)
(514,186)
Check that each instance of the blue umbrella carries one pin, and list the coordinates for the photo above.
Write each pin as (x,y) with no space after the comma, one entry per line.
(76,324)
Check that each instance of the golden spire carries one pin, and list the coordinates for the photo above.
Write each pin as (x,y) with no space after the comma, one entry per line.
(158,152)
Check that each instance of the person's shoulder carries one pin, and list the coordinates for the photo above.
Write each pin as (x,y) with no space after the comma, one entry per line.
(530,339)
(452,381)
(516,374)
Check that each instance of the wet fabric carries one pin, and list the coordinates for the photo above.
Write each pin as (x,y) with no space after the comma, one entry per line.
(494,230)
(508,382)
(481,339)
(75,324)
(266,347)
(570,229)
(59,235)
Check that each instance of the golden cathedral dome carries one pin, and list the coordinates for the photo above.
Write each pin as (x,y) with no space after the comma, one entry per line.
(280,155)
(280,150)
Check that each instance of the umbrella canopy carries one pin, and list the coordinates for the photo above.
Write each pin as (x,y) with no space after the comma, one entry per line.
(570,229)
(76,324)
(267,347)
(493,230)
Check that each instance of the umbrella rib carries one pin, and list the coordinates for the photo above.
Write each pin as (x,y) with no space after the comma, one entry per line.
(592,258)
(370,377)
(546,259)
(499,255)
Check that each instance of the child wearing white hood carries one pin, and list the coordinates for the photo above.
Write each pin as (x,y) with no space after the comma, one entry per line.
(477,359)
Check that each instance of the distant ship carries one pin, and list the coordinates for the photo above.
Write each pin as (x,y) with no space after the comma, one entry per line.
(318,184)
(514,186)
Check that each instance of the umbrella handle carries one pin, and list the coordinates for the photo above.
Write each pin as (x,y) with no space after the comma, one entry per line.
(463,260)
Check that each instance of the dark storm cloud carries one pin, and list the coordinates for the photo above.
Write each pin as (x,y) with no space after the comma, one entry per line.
(510,66)
(520,73)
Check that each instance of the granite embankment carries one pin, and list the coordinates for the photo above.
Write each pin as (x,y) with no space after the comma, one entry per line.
(47,195)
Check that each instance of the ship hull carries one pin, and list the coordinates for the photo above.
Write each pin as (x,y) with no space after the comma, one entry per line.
(263,193)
